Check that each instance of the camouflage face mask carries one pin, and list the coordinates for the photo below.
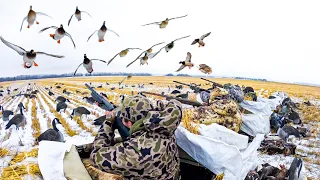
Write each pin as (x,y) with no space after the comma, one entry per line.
(134,108)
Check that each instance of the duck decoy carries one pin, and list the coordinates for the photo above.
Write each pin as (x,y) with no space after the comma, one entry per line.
(200,40)
(62,99)
(77,14)
(5,114)
(89,100)
(295,169)
(79,111)
(285,131)
(99,120)
(18,120)
(50,93)
(175,92)
(29,57)
(31,17)
(184,96)
(52,134)
(60,106)
(21,106)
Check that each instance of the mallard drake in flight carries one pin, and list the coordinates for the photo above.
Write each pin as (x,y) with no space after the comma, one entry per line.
(31,17)
(77,14)
(59,33)
(29,57)
(87,64)
(168,47)
(145,58)
(102,31)
(122,53)
(186,62)
(205,69)
(200,40)
(164,23)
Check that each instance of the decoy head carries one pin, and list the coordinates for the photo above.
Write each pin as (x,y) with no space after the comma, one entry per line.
(58,121)
(85,55)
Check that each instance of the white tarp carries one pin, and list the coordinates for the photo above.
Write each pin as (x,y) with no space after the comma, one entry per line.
(254,124)
(51,155)
(218,132)
(256,107)
(219,157)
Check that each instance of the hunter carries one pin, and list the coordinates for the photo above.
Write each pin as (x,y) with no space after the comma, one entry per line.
(151,151)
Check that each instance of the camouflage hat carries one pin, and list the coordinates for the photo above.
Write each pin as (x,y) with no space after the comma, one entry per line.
(134,108)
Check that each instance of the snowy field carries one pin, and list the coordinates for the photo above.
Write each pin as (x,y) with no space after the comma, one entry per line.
(40,111)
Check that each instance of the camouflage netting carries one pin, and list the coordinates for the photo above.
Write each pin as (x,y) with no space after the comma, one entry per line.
(223,112)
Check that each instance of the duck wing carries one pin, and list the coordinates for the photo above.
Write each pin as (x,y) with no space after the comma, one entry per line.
(152,23)
(135,59)
(98,60)
(153,55)
(91,35)
(52,55)
(133,48)
(178,17)
(113,58)
(67,34)
(156,45)
(86,13)
(70,19)
(181,38)
(43,14)
(181,67)
(205,35)
(188,58)
(24,19)
(194,41)
(113,32)
(53,27)
(18,49)
(77,69)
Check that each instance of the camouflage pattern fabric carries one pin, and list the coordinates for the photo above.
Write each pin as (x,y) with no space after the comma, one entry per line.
(223,112)
(151,153)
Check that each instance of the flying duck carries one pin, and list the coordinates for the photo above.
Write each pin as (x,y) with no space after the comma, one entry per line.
(59,33)
(31,18)
(52,134)
(18,120)
(164,23)
(79,111)
(169,46)
(87,64)
(122,53)
(205,69)
(77,14)
(29,57)
(145,58)
(102,31)
(186,62)
(200,40)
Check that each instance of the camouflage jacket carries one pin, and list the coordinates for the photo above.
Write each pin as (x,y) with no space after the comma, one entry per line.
(151,153)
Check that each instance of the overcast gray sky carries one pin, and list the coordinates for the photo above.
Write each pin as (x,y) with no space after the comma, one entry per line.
(276,40)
